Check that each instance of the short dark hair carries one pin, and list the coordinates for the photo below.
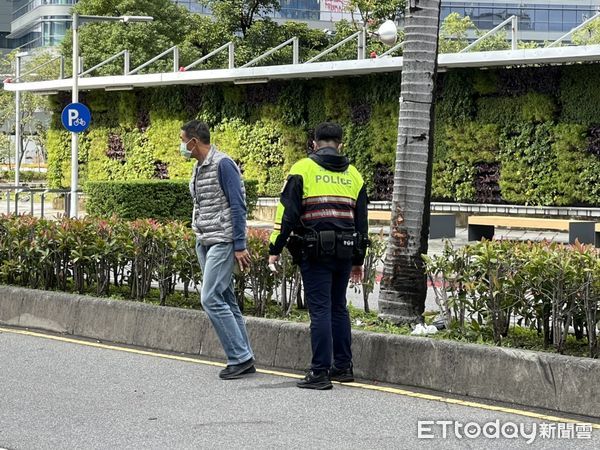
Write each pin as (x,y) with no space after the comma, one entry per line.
(198,130)
(329,132)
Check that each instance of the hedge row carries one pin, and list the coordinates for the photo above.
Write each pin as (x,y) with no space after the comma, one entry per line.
(163,200)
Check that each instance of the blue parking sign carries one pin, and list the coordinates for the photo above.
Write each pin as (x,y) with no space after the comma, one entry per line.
(76,117)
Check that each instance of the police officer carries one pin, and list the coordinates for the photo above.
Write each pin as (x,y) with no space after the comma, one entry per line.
(324,206)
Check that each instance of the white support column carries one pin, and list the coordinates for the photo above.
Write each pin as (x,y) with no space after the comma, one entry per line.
(362,44)
(515,32)
(75,136)
(18,137)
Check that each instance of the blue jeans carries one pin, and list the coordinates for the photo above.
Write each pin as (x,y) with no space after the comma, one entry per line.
(325,284)
(219,302)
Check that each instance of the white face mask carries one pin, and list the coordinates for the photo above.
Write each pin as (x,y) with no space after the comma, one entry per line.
(183,150)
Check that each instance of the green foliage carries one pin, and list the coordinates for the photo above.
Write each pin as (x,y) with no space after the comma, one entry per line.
(455,102)
(130,200)
(376,11)
(384,133)
(465,145)
(357,139)
(315,105)
(549,286)
(588,35)
(497,41)
(485,82)
(453,33)
(501,110)
(171,26)
(580,101)
(453,181)
(239,15)
(337,99)
(512,111)
(59,158)
(473,143)
(25,176)
(571,163)
(528,165)
(98,255)
(32,107)
(538,108)
(161,143)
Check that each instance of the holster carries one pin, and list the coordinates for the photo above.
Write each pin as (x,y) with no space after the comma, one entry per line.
(362,243)
(294,245)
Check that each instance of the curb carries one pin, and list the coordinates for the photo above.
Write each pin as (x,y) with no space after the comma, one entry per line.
(532,379)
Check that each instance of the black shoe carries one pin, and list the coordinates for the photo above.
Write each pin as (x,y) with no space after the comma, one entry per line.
(319,381)
(342,375)
(249,370)
(237,370)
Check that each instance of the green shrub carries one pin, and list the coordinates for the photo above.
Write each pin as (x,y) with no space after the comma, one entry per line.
(384,134)
(571,163)
(505,111)
(25,176)
(162,200)
(130,200)
(453,181)
(528,165)
(473,142)
(579,95)
(548,286)
(455,101)
(101,256)
(538,108)
(58,143)
(485,82)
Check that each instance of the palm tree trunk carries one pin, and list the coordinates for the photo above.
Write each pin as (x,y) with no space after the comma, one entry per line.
(404,283)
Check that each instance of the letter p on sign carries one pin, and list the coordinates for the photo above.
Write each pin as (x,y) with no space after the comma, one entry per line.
(76,117)
(73,114)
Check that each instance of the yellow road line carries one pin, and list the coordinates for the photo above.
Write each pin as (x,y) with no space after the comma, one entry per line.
(370,387)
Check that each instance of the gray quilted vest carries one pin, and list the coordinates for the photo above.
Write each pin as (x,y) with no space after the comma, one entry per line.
(211,219)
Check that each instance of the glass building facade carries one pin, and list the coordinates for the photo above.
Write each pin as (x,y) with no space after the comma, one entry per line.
(532,16)
(38,23)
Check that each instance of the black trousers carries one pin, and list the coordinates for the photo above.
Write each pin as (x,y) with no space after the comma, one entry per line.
(325,284)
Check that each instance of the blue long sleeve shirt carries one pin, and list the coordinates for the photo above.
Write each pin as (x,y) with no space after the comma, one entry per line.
(231,184)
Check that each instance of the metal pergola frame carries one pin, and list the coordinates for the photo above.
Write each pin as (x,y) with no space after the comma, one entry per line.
(313,68)
(483,60)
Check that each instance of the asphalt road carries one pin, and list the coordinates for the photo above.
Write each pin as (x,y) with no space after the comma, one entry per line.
(62,395)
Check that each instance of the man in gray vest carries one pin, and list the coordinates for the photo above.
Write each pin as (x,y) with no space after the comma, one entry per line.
(219,221)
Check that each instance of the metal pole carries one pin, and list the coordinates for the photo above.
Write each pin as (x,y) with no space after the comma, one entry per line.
(175,59)
(486,35)
(515,31)
(74,136)
(296,50)
(126,63)
(43,200)
(362,44)
(18,137)
(231,55)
